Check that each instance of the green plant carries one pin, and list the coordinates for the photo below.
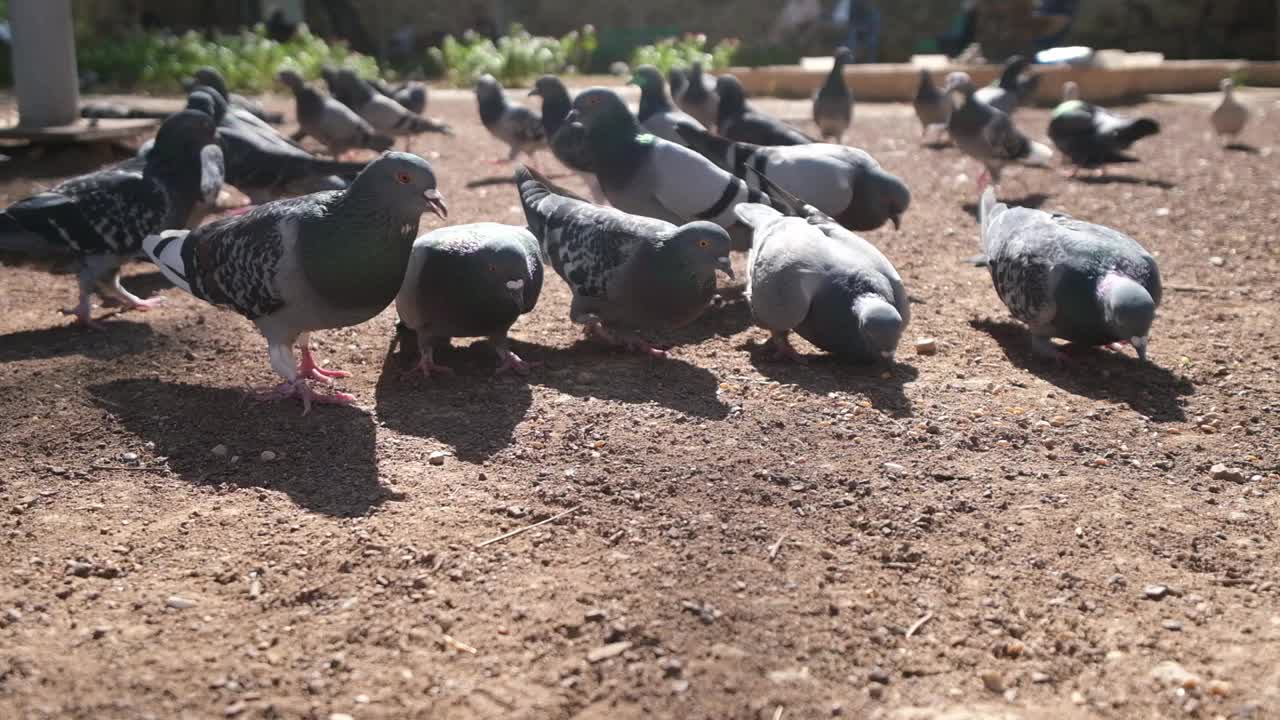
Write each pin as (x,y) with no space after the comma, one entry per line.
(248,59)
(684,51)
(515,59)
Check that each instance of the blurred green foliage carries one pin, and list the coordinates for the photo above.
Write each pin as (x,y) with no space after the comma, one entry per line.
(515,59)
(685,50)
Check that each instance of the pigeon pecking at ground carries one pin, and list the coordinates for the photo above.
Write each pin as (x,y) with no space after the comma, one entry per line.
(516,125)
(1014,88)
(657,114)
(931,106)
(210,77)
(698,96)
(1229,116)
(737,120)
(646,175)
(470,281)
(835,289)
(844,182)
(1092,137)
(385,115)
(568,140)
(987,134)
(96,222)
(333,124)
(320,261)
(833,103)
(1069,279)
(626,272)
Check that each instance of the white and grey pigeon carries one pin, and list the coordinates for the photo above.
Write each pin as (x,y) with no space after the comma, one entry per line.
(987,134)
(331,123)
(1067,278)
(210,77)
(568,140)
(931,106)
(384,114)
(321,261)
(98,221)
(1014,88)
(516,125)
(843,182)
(1229,117)
(646,175)
(737,120)
(626,272)
(1090,136)
(412,94)
(657,114)
(833,103)
(470,281)
(809,275)
(698,97)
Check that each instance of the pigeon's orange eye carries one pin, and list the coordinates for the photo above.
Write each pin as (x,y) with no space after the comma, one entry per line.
(704,243)
(403,178)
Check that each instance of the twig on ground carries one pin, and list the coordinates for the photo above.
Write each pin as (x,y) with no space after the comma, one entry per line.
(773,549)
(527,528)
(919,624)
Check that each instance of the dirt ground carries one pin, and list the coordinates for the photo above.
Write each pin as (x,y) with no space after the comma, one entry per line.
(972,535)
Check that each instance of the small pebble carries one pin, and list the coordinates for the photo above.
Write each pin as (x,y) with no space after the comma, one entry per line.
(340,716)
(926,346)
(437,457)
(1228,474)
(1155,592)
(1039,677)
(1171,625)
(604,652)
(893,469)
(267,456)
(1217,261)
(179,603)
(993,681)
(219,450)
(129,457)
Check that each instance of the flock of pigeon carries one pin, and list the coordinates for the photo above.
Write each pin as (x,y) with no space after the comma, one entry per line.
(695,174)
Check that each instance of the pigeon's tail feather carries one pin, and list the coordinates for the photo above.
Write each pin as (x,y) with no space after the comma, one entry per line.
(1136,130)
(420,124)
(986,211)
(1038,154)
(378,143)
(977,261)
(20,246)
(167,251)
(532,191)
(784,200)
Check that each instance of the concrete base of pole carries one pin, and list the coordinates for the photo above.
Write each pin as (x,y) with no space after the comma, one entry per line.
(44,63)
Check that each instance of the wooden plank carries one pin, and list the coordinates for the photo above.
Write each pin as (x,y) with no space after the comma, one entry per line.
(81,131)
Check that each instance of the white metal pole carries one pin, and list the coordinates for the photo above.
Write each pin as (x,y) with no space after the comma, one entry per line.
(44,63)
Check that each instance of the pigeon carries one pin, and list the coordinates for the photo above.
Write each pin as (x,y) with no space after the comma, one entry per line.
(646,175)
(657,115)
(833,104)
(835,289)
(1089,136)
(517,126)
(736,119)
(385,115)
(677,82)
(843,182)
(468,281)
(931,105)
(1229,117)
(412,94)
(568,140)
(335,125)
(987,134)
(625,271)
(326,260)
(1013,88)
(96,222)
(698,96)
(200,99)
(212,78)
(1067,278)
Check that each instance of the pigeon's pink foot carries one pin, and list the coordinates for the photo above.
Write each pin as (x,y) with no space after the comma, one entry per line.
(636,345)
(84,318)
(144,305)
(301,390)
(309,369)
(512,363)
(1118,347)
(780,349)
(428,368)
(234,212)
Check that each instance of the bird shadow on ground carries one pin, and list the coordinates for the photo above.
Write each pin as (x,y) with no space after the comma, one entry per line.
(728,317)
(491,181)
(936,145)
(327,462)
(1242,148)
(1096,373)
(118,338)
(55,163)
(1112,179)
(822,374)
(472,412)
(1030,200)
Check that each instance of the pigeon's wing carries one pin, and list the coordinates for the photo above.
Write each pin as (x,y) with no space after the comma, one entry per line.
(692,187)
(570,147)
(1003,139)
(520,126)
(213,173)
(106,212)
(873,258)
(533,261)
(342,123)
(1024,254)
(785,268)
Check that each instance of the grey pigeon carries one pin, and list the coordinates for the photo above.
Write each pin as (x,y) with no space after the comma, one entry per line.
(677,82)
(987,134)
(470,281)
(698,97)
(833,103)
(516,125)
(568,140)
(931,106)
(205,100)
(737,120)
(333,124)
(96,222)
(1090,136)
(1069,279)
(810,275)
(657,114)
(385,115)
(412,94)
(1229,117)
(1014,87)
(646,175)
(626,272)
(326,260)
(844,182)
(212,78)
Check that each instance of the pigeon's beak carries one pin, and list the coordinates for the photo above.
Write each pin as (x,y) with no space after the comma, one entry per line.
(724,266)
(535,93)
(516,288)
(887,355)
(897,222)
(572,117)
(435,201)
(1140,344)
